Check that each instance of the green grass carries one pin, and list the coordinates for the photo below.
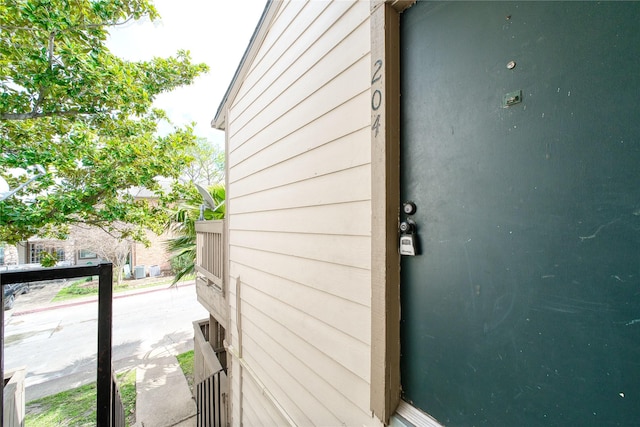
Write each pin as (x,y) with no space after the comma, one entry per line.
(84,287)
(186,364)
(77,407)
(127,386)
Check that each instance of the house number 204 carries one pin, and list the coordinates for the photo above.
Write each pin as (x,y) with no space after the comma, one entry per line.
(376,95)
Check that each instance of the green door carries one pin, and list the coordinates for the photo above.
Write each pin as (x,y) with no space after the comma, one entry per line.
(521,150)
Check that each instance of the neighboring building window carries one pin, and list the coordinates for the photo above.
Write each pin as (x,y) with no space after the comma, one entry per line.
(86,254)
(37,249)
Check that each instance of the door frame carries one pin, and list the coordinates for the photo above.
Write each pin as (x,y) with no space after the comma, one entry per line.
(385,206)
(385,396)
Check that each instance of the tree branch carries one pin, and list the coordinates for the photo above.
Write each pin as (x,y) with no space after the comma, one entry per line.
(52,37)
(85,26)
(119,228)
(42,92)
(37,115)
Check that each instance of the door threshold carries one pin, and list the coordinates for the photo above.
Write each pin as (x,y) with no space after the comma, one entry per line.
(409,416)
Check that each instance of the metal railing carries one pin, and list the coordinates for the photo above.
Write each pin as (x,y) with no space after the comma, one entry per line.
(107,400)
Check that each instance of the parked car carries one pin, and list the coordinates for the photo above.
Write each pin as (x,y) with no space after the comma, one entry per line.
(11,291)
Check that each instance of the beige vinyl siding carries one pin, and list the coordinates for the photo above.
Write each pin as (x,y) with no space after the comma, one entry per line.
(295,220)
(325,99)
(300,380)
(257,414)
(284,50)
(233,375)
(314,192)
(299,208)
(344,250)
(314,306)
(337,280)
(285,28)
(342,153)
(313,71)
(333,125)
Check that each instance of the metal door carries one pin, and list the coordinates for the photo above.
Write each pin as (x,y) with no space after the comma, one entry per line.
(521,150)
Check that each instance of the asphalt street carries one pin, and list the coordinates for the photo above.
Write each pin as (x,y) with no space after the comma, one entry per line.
(58,344)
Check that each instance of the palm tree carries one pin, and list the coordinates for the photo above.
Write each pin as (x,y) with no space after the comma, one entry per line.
(183,226)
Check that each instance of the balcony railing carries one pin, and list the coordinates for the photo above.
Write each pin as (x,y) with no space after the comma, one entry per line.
(210,251)
(210,260)
(108,406)
(211,387)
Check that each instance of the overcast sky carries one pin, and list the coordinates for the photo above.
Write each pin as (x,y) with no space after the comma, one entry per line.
(216,32)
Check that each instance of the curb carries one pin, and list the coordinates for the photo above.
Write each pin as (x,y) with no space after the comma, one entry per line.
(92,299)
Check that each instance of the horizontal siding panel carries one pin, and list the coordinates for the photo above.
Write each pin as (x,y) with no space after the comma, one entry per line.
(282,19)
(286,29)
(339,123)
(354,388)
(344,349)
(326,162)
(234,391)
(344,316)
(346,219)
(250,415)
(350,185)
(349,283)
(353,251)
(282,6)
(301,405)
(353,80)
(299,54)
(286,14)
(329,190)
(318,395)
(263,413)
(326,364)
(292,80)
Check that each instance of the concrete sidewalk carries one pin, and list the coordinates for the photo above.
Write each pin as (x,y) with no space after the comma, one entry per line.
(163,395)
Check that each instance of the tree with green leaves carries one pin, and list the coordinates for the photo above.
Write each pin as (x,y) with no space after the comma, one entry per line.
(207,167)
(70,106)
